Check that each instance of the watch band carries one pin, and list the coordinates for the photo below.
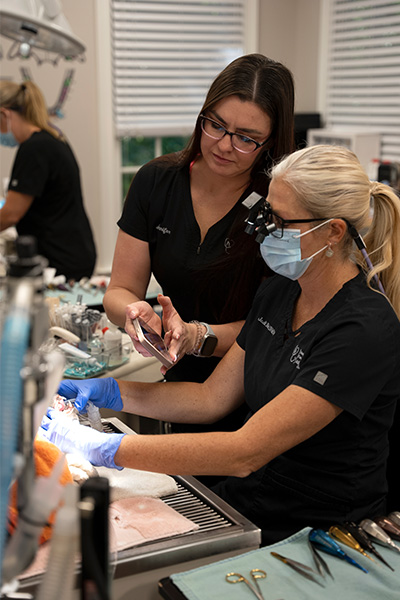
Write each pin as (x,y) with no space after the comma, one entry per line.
(209,330)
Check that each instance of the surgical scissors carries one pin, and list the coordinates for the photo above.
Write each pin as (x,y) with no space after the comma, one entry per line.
(255,574)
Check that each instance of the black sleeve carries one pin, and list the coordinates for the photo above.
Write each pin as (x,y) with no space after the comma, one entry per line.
(30,171)
(348,365)
(134,219)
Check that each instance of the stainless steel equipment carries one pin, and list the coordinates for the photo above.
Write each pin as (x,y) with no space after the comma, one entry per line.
(222,532)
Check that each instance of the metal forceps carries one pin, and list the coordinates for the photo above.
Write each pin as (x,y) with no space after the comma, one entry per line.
(255,574)
(299,567)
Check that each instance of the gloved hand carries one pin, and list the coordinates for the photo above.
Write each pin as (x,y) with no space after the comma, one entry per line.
(104,393)
(97,447)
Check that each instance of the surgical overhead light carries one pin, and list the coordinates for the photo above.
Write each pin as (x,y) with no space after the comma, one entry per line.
(41,25)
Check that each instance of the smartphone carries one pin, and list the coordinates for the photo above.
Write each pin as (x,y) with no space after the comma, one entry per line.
(152,342)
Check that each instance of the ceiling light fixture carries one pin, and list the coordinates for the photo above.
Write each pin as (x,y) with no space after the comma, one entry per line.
(39,25)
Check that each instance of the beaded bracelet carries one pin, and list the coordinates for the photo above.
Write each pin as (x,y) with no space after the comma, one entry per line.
(199,337)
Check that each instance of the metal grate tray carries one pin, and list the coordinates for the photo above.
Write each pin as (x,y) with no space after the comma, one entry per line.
(191,507)
(221,527)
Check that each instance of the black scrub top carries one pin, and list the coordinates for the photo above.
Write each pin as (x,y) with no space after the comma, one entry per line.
(46,168)
(349,354)
(158,209)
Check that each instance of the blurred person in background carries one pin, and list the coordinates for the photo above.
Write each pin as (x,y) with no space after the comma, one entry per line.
(44,197)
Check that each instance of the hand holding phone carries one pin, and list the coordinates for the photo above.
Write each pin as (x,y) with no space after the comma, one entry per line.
(152,342)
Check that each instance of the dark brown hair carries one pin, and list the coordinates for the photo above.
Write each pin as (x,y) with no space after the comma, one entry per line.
(269,84)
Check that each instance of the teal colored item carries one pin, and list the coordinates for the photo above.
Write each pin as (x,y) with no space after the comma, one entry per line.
(93,297)
(324,542)
(80,370)
(209,583)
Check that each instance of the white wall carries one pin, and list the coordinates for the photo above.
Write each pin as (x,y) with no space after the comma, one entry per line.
(288,32)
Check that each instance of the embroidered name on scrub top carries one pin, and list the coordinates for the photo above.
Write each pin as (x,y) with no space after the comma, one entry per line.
(267,325)
(163,230)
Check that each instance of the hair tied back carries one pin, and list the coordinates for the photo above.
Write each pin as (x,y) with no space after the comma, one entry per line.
(374,187)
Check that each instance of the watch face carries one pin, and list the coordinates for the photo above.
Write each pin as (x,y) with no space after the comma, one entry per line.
(208,347)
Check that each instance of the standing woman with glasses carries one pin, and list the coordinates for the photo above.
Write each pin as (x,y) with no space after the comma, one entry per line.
(183,219)
(44,197)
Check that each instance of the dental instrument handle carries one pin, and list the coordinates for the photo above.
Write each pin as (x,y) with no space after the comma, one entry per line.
(326,543)
(347,538)
(378,534)
(365,541)
(387,525)
(351,561)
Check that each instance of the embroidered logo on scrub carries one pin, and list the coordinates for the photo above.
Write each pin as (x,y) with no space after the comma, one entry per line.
(296,357)
(320,377)
(228,244)
(163,230)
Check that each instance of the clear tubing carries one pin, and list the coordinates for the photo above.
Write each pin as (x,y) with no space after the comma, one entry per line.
(14,344)
(59,580)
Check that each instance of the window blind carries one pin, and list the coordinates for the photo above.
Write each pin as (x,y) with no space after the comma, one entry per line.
(165,56)
(363,80)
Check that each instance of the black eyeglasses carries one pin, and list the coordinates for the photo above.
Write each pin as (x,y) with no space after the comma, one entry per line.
(240,142)
(281,224)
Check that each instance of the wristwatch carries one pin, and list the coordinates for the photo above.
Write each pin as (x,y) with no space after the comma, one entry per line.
(205,344)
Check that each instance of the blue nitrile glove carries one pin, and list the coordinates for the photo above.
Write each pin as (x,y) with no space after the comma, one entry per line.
(68,435)
(104,393)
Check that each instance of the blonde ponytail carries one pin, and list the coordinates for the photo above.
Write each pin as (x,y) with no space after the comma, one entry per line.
(383,241)
(27,99)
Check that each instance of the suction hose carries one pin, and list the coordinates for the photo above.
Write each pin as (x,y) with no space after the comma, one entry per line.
(14,344)
(24,270)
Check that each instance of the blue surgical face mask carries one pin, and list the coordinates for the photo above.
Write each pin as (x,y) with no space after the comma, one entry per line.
(283,255)
(8,138)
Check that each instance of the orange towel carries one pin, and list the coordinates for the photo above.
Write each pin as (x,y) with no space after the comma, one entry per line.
(45,456)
